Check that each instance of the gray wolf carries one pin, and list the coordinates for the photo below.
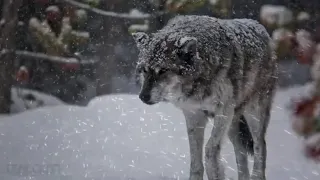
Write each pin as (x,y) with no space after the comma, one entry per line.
(213,69)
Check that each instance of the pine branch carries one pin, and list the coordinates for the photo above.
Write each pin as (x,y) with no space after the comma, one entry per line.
(108,13)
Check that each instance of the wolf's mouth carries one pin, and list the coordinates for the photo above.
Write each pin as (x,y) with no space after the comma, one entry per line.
(150,103)
(146,99)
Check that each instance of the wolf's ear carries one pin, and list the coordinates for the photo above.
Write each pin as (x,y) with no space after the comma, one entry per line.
(140,38)
(187,49)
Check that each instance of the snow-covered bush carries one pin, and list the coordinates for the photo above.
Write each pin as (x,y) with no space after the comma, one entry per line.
(92,3)
(283,40)
(43,34)
(56,45)
(303,16)
(221,7)
(315,70)
(306,46)
(143,26)
(136,13)
(79,19)
(306,115)
(274,16)
(139,27)
(183,6)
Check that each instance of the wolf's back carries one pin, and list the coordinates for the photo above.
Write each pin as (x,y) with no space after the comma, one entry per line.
(213,33)
(244,42)
(240,45)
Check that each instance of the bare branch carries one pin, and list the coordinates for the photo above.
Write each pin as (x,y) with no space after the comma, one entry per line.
(42,56)
(5,52)
(39,56)
(108,13)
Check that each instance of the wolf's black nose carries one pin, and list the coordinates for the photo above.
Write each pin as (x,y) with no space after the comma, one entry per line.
(146,98)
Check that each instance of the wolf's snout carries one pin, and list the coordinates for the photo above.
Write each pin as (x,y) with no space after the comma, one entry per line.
(146,98)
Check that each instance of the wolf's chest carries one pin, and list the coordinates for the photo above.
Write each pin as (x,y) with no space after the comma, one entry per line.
(211,104)
(222,94)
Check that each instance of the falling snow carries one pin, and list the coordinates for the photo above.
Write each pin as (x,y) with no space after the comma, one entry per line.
(116,136)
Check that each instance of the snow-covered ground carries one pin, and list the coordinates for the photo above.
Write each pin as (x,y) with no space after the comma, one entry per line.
(118,137)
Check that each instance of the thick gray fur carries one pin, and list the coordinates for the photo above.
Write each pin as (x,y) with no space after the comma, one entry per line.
(213,69)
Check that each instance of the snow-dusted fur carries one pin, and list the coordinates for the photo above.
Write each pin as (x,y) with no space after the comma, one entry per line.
(213,69)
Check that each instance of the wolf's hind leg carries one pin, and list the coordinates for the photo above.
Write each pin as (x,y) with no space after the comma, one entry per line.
(240,136)
(196,122)
(258,117)
(214,166)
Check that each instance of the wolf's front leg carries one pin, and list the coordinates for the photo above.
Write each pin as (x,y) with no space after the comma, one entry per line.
(196,122)
(214,166)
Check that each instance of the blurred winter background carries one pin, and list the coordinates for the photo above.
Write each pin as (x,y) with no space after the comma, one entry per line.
(68,94)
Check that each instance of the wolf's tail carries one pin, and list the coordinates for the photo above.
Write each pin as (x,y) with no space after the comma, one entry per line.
(245,135)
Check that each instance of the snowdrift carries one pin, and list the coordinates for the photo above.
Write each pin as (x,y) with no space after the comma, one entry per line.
(117,137)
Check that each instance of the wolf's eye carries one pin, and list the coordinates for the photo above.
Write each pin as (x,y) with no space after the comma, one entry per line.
(142,70)
(185,57)
(162,71)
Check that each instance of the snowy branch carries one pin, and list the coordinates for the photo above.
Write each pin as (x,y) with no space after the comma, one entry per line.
(130,16)
(42,56)
(39,56)
(4,52)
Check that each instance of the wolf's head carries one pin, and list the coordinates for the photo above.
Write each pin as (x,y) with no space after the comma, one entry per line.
(167,67)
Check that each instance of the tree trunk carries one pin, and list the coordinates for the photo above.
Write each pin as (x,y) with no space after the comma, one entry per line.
(7,42)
